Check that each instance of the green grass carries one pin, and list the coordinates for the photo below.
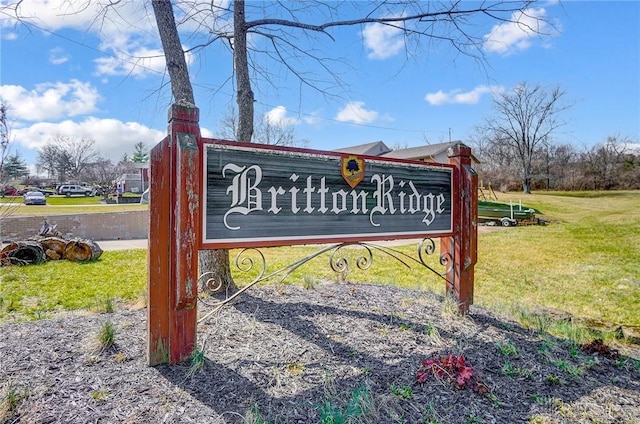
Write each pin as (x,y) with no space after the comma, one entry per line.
(358,407)
(38,291)
(62,205)
(585,262)
(106,336)
(59,200)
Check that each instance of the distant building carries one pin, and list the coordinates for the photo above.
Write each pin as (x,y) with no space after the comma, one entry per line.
(134,182)
(377,148)
(428,153)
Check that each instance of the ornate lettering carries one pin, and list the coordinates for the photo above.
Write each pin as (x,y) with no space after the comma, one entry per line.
(245,195)
(383,196)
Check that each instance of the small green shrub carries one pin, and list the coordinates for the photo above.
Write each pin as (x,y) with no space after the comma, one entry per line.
(405,392)
(359,406)
(508,348)
(197,361)
(9,401)
(107,336)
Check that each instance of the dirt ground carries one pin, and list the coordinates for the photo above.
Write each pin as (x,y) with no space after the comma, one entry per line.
(334,353)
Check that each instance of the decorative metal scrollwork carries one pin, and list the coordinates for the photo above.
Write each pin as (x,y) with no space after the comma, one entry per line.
(340,264)
(250,260)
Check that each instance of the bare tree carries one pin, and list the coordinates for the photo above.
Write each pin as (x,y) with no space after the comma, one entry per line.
(563,167)
(266,131)
(603,164)
(523,121)
(286,33)
(104,173)
(215,261)
(47,160)
(4,139)
(66,158)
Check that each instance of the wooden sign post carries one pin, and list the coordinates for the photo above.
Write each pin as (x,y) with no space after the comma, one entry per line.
(174,222)
(215,194)
(463,244)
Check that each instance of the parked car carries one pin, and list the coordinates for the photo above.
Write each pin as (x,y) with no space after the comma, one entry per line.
(144,198)
(34,198)
(8,191)
(41,190)
(74,189)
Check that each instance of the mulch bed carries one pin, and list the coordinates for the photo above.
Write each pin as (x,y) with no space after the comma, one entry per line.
(285,354)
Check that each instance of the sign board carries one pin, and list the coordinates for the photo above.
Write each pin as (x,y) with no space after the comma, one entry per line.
(261,196)
(214,194)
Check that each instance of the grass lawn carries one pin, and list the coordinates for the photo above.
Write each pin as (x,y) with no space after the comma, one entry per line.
(62,205)
(37,291)
(585,262)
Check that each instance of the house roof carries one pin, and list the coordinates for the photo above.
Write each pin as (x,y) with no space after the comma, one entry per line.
(377,148)
(426,151)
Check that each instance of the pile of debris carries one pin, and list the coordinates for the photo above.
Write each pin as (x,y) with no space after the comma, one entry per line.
(49,244)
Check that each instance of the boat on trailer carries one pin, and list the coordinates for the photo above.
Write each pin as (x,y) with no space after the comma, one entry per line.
(505,214)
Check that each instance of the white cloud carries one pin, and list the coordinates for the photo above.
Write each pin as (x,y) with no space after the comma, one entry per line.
(58,56)
(314,118)
(123,30)
(278,116)
(134,63)
(9,35)
(518,35)
(113,138)
(356,113)
(53,15)
(382,41)
(458,97)
(50,101)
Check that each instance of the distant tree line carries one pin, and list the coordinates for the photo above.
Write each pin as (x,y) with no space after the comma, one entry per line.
(516,148)
(613,164)
(70,159)
(67,159)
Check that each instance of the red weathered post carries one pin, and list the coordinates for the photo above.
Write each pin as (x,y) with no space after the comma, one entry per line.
(174,228)
(463,245)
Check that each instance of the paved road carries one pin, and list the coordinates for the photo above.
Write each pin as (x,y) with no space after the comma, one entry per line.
(122,244)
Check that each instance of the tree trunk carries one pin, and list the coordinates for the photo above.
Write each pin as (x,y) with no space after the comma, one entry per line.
(23,253)
(217,262)
(82,250)
(244,96)
(174,55)
(53,247)
(214,261)
(526,186)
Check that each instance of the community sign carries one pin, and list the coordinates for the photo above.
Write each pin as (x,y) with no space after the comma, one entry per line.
(259,196)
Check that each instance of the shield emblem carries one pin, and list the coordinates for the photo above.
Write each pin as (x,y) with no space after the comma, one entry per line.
(352,170)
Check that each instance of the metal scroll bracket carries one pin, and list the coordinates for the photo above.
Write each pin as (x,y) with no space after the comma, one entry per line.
(252,259)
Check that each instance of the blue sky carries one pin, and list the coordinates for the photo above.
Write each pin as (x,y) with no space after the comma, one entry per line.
(68,74)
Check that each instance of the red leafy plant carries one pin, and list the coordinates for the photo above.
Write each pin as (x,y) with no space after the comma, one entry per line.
(598,346)
(451,368)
